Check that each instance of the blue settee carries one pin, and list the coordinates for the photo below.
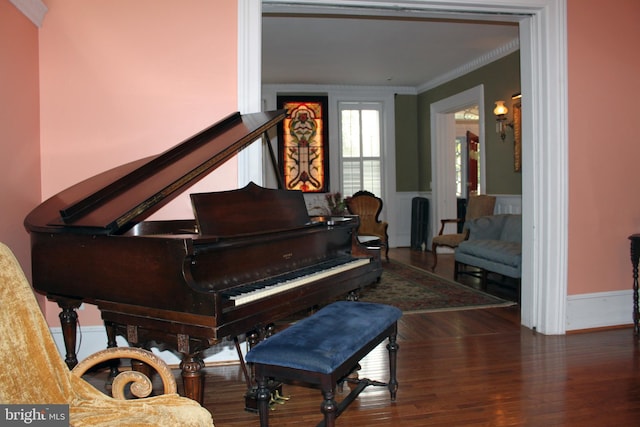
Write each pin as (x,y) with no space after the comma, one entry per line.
(494,245)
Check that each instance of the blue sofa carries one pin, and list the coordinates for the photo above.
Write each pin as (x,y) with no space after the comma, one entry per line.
(494,245)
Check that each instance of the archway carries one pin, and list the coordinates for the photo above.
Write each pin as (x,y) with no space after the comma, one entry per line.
(543,83)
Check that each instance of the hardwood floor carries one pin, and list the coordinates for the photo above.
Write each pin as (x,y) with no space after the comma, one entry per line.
(469,368)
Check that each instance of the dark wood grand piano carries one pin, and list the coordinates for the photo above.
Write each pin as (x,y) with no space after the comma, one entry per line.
(250,257)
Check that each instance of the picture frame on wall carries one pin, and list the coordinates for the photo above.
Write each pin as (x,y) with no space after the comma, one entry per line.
(517,136)
(303,147)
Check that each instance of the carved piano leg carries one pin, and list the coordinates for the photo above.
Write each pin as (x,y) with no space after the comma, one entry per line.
(110,328)
(193,377)
(69,321)
(191,365)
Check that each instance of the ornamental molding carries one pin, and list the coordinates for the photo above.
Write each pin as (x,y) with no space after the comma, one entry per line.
(479,62)
(35,10)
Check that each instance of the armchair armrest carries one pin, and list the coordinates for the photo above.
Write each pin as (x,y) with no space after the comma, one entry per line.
(444,222)
(141,385)
(378,229)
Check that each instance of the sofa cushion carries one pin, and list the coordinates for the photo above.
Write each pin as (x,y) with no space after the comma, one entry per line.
(503,252)
(486,227)
(512,229)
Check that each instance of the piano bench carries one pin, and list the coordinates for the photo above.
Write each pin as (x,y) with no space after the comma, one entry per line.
(323,350)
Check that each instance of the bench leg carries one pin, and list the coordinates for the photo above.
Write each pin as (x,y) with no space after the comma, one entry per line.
(263,395)
(329,408)
(393,347)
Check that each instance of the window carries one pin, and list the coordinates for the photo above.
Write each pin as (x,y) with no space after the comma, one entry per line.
(360,147)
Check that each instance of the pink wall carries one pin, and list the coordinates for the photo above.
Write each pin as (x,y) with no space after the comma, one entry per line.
(604,85)
(19,129)
(124,79)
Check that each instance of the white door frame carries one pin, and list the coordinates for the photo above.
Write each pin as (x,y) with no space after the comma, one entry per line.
(543,50)
(443,154)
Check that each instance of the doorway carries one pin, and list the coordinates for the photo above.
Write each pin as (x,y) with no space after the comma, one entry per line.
(543,46)
(467,152)
(444,186)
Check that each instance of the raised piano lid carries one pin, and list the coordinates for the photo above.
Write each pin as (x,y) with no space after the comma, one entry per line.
(115,200)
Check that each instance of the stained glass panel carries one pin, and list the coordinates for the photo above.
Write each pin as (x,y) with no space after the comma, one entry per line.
(303,144)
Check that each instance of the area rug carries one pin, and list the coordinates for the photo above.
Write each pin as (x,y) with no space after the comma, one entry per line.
(412,290)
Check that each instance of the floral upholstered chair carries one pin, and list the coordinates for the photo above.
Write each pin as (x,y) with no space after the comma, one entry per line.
(33,371)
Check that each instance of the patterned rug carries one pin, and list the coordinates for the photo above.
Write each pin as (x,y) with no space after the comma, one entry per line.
(415,290)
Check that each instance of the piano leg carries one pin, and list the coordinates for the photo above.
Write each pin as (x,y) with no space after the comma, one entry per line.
(69,321)
(192,376)
(110,328)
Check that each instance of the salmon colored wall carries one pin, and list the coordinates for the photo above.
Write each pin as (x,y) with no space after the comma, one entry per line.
(19,129)
(604,86)
(124,79)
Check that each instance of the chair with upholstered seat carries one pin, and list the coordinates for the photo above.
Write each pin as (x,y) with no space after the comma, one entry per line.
(33,371)
(477,206)
(371,230)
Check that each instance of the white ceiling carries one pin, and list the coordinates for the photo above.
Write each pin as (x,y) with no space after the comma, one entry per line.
(377,50)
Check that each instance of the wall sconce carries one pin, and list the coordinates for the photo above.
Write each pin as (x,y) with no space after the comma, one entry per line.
(501,117)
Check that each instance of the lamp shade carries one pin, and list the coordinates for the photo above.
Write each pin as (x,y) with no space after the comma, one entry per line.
(500,109)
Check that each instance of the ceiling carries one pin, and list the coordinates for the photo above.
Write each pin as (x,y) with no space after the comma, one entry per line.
(409,51)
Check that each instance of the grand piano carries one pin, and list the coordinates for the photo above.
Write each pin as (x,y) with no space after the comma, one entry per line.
(249,257)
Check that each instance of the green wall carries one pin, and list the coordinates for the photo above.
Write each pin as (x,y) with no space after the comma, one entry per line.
(407,142)
(501,79)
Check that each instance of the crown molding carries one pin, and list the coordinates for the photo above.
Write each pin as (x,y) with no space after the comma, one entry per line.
(479,62)
(295,87)
(483,60)
(35,10)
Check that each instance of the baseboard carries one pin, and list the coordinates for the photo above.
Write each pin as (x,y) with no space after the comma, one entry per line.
(91,339)
(601,309)
(584,311)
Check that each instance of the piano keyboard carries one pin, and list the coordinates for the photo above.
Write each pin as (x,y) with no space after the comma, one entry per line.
(259,290)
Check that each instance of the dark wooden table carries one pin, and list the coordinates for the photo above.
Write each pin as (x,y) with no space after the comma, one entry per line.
(635,258)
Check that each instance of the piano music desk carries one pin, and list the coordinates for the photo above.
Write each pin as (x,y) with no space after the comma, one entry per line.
(323,350)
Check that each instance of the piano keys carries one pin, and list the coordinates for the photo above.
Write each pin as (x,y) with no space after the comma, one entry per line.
(250,257)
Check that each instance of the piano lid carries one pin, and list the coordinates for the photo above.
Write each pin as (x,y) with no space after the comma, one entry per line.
(116,199)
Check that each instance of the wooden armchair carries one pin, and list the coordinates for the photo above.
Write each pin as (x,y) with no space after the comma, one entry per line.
(477,206)
(33,371)
(371,231)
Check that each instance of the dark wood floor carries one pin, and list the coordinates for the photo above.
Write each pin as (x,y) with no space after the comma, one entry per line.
(469,368)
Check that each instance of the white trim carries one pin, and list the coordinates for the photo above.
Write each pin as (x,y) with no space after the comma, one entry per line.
(543,49)
(35,10)
(250,160)
(477,63)
(443,184)
(508,204)
(399,90)
(544,172)
(600,309)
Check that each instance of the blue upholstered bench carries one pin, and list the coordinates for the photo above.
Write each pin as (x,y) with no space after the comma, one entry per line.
(323,349)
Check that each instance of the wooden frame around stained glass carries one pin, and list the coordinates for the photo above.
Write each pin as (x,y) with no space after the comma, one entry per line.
(303,147)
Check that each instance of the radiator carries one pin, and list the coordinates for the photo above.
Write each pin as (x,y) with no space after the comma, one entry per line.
(419,223)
